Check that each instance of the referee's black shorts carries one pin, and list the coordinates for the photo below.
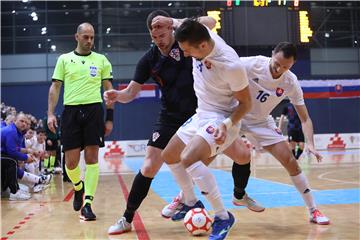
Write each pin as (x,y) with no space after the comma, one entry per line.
(82,125)
(296,135)
(54,144)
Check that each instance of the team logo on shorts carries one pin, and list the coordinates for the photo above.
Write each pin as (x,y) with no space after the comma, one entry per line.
(279,92)
(155,136)
(207,64)
(93,71)
(175,54)
(210,129)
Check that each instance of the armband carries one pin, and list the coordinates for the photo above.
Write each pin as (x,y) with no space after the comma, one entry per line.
(109,114)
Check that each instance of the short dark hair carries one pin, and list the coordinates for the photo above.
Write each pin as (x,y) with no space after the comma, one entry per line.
(40,130)
(192,31)
(154,14)
(287,48)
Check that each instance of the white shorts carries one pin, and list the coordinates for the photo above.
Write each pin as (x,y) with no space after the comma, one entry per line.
(261,133)
(205,127)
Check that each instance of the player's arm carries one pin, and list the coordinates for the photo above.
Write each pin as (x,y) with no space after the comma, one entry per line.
(244,106)
(161,22)
(208,21)
(107,86)
(125,95)
(244,98)
(308,129)
(282,117)
(281,121)
(53,99)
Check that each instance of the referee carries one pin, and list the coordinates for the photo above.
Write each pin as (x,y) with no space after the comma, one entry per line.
(82,124)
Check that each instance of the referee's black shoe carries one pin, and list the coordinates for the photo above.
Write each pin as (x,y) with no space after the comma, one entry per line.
(78,197)
(87,214)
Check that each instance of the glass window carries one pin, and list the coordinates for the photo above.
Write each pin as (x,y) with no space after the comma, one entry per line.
(6,46)
(6,19)
(6,33)
(133,42)
(74,17)
(30,18)
(30,46)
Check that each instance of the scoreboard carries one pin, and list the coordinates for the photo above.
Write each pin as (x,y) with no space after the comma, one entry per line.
(263,22)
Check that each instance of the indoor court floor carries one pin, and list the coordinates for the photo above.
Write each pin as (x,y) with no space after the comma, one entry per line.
(335,183)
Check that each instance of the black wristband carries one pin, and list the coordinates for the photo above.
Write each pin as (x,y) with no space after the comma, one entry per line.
(109,114)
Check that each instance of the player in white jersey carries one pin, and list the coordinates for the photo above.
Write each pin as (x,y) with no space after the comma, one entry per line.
(270,81)
(221,87)
(38,148)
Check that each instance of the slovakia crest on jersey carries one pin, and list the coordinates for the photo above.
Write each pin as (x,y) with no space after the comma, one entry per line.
(93,71)
(279,92)
(207,64)
(175,54)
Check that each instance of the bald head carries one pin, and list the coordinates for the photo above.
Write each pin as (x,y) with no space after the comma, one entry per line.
(21,122)
(85,37)
(85,27)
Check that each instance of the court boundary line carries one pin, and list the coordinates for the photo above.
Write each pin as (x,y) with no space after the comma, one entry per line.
(22,222)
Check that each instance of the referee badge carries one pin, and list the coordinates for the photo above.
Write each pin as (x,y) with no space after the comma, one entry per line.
(93,71)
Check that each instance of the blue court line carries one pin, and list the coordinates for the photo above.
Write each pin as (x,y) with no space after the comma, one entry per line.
(269,194)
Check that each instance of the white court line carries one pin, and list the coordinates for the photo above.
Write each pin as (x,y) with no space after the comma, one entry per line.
(321,176)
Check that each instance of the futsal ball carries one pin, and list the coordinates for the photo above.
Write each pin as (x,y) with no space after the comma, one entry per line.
(197,221)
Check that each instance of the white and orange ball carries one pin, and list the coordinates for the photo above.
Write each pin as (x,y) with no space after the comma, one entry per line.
(197,221)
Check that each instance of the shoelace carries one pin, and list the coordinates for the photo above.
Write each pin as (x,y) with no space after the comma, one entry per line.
(175,203)
(250,200)
(122,222)
(317,213)
(219,223)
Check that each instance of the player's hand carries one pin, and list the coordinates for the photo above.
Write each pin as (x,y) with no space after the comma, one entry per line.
(161,22)
(311,149)
(108,127)
(49,142)
(160,25)
(220,134)
(30,158)
(37,154)
(110,96)
(52,123)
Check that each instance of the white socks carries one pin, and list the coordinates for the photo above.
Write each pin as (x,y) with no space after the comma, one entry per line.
(31,178)
(206,182)
(184,181)
(302,185)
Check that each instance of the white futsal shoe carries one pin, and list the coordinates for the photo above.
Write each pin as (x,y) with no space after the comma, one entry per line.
(248,202)
(317,217)
(19,196)
(121,226)
(169,210)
